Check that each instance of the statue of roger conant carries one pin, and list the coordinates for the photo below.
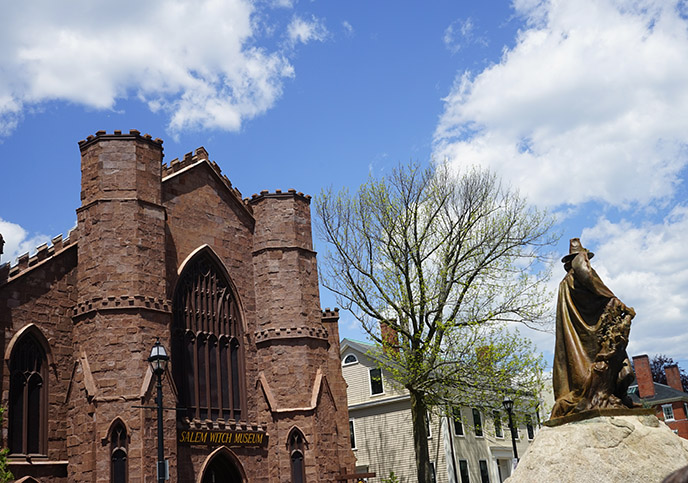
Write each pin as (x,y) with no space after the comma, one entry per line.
(591,367)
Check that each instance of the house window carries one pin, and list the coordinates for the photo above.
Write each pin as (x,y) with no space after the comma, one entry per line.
(352,434)
(668,412)
(685,410)
(458,422)
(434,474)
(28,397)
(463,470)
(428,426)
(484,474)
(376,381)
(498,424)
(350,359)
(207,343)
(529,427)
(118,454)
(296,452)
(477,423)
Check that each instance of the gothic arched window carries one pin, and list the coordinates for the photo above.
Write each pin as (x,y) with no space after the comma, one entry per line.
(118,453)
(296,444)
(28,397)
(206,342)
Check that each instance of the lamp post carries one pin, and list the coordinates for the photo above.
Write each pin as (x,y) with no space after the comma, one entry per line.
(158,361)
(509,406)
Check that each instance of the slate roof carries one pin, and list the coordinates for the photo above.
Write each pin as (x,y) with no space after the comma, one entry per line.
(663,394)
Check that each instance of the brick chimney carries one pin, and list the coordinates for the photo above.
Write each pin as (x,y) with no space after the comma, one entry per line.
(643,375)
(390,338)
(673,377)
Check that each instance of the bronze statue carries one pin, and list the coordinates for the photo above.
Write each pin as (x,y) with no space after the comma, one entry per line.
(591,367)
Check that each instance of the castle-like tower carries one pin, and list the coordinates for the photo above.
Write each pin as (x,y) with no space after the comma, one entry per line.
(230,287)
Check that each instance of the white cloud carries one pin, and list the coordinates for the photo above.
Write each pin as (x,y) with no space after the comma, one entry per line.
(18,241)
(198,61)
(303,31)
(646,266)
(348,28)
(590,104)
(459,33)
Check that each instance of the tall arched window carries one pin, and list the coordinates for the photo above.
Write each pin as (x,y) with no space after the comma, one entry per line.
(296,444)
(28,397)
(118,453)
(206,342)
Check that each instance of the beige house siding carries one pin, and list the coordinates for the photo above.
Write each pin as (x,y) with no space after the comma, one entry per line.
(384,434)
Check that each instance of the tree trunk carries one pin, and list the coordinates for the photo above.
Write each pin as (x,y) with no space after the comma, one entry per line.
(419,412)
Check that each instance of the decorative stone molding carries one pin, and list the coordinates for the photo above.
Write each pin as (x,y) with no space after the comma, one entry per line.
(122,302)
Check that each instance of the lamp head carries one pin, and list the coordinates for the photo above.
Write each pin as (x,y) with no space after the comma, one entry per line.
(508,404)
(158,358)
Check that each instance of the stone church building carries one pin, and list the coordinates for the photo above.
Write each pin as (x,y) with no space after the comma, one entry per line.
(254,389)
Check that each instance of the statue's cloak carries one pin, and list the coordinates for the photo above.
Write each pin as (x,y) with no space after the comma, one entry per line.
(582,300)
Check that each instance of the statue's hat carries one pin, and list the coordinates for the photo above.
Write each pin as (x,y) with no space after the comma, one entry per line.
(575,248)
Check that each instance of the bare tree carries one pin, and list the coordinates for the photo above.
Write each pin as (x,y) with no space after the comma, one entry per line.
(442,262)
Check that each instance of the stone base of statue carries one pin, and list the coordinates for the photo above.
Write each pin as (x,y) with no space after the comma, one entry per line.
(629,446)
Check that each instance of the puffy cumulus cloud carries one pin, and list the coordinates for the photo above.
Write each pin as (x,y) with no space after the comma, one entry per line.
(302,31)
(18,241)
(591,103)
(198,61)
(646,266)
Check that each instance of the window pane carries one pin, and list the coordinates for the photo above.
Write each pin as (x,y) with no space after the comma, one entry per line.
(458,422)
(350,359)
(529,427)
(376,381)
(668,413)
(33,419)
(484,475)
(352,434)
(477,422)
(16,416)
(119,466)
(463,469)
(235,379)
(297,467)
(213,370)
(498,424)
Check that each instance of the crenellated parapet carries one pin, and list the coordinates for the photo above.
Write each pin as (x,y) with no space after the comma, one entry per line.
(191,159)
(44,252)
(291,333)
(118,135)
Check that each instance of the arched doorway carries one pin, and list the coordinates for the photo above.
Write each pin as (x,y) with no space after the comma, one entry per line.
(222,467)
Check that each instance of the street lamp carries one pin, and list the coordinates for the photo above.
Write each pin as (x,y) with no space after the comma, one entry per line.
(158,361)
(509,406)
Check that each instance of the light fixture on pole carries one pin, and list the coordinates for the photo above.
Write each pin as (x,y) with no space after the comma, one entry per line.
(509,406)
(158,361)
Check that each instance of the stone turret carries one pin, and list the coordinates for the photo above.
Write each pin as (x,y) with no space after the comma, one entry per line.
(121,305)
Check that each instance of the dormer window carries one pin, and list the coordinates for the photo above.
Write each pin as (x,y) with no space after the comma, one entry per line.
(349,359)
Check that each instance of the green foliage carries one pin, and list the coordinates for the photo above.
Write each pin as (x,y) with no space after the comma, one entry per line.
(5,474)
(444,263)
(392,478)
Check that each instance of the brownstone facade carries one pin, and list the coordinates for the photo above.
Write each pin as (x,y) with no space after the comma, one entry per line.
(230,287)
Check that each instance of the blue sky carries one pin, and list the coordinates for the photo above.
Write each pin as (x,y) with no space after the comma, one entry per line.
(583,106)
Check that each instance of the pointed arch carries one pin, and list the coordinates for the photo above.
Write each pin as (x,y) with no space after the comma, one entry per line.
(296,445)
(208,340)
(118,436)
(27,358)
(38,335)
(223,465)
(208,250)
(27,479)
(108,433)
